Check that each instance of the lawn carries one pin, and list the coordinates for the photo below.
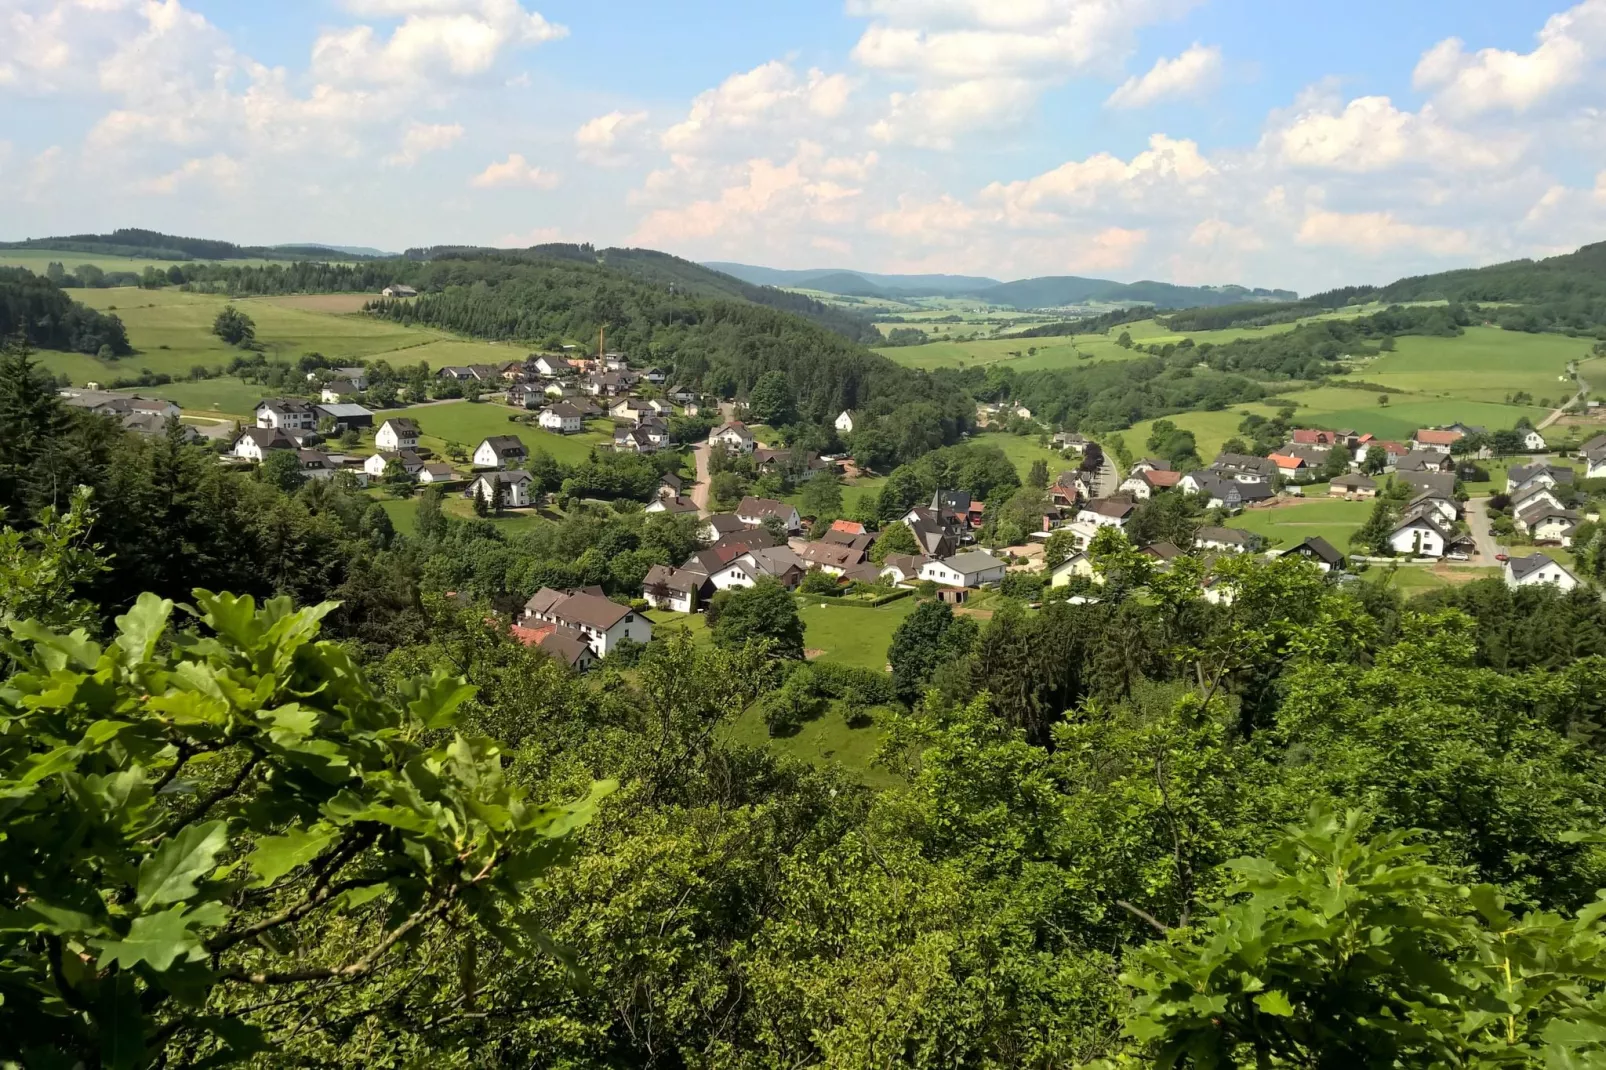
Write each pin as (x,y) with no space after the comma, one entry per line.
(851,635)
(1485,364)
(227,396)
(1420,579)
(1288,525)
(467,422)
(172,332)
(403,513)
(823,742)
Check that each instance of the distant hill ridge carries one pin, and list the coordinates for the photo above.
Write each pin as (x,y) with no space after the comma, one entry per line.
(154,245)
(1053,291)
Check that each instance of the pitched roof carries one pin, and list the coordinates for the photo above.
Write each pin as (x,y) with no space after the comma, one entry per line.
(1426,517)
(670,479)
(673,579)
(1232,536)
(833,554)
(972,561)
(1165,551)
(725,523)
(563,410)
(340,412)
(1442,483)
(1283,460)
(735,426)
(1319,548)
(908,564)
(762,507)
(401,425)
(590,609)
(1118,508)
(440,470)
(543,600)
(678,504)
(848,527)
(1161,479)
(1435,437)
(1522,567)
(565,646)
(739,542)
(1356,480)
(267,438)
(776,560)
(504,443)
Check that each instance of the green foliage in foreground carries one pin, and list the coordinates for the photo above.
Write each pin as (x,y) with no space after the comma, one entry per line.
(190,811)
(1343,949)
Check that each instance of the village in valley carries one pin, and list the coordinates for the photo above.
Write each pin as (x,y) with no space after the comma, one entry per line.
(328,433)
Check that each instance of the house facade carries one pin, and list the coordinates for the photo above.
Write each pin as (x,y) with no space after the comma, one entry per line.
(517,487)
(561,418)
(500,451)
(396,434)
(1538,570)
(972,569)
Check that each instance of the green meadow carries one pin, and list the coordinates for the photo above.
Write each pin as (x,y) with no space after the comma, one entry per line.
(1485,364)
(38,260)
(467,422)
(1360,409)
(1288,525)
(171,331)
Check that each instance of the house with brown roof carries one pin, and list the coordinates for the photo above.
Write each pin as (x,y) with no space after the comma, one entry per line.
(601,623)
(1438,441)
(1146,483)
(753,512)
(830,557)
(673,589)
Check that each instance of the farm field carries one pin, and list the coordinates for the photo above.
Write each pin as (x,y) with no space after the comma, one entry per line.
(466,423)
(1288,525)
(228,396)
(172,331)
(1339,407)
(1051,352)
(1485,364)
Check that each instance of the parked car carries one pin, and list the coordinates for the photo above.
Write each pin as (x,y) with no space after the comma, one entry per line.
(1502,557)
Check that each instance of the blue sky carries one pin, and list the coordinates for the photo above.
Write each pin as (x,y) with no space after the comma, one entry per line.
(1199,141)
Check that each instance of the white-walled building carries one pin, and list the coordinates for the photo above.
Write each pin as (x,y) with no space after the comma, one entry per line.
(973,568)
(517,493)
(561,418)
(1538,570)
(396,434)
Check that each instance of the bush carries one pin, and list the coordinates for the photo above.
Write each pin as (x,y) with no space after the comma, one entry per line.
(1026,586)
(840,681)
(795,703)
(820,582)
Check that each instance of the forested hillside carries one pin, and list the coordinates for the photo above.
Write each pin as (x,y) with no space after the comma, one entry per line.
(1056,291)
(153,245)
(1132,829)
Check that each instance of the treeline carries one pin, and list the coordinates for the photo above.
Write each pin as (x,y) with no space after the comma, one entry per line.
(40,311)
(154,245)
(1110,395)
(1312,350)
(1087,324)
(435,269)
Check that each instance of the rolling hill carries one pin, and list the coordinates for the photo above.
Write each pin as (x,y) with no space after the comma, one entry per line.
(1053,291)
(154,245)
(857,283)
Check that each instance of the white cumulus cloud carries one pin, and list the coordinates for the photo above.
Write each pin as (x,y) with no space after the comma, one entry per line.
(420,139)
(1195,71)
(514,171)
(1570,44)
(598,140)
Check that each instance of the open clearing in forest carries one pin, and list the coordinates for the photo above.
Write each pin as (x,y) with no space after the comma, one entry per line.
(171,331)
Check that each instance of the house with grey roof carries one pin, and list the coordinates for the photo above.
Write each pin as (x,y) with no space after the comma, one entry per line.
(1538,570)
(973,568)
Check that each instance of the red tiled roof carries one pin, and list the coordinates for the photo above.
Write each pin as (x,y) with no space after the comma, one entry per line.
(848,527)
(1157,478)
(1438,438)
(531,636)
(1283,460)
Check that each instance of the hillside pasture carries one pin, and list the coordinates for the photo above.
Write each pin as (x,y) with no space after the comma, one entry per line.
(1359,409)
(1290,523)
(171,331)
(1210,429)
(39,260)
(1485,364)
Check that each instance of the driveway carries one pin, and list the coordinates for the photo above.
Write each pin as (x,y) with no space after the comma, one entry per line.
(1478,525)
(699,490)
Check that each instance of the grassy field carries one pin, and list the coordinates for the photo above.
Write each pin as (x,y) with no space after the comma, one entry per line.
(1485,364)
(1050,353)
(403,514)
(466,423)
(1023,450)
(1420,579)
(37,260)
(172,333)
(824,742)
(1289,525)
(1340,407)
(1210,429)
(850,635)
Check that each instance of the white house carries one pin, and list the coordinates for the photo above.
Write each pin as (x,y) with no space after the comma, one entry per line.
(1106,512)
(410,462)
(1420,533)
(671,589)
(970,569)
(564,419)
(396,434)
(335,389)
(1447,508)
(437,472)
(517,492)
(254,443)
(752,512)
(903,568)
(550,367)
(398,290)
(1436,441)
(1538,570)
(601,624)
(500,451)
(1533,441)
(1225,540)
(1075,565)
(845,420)
(733,435)
(284,413)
